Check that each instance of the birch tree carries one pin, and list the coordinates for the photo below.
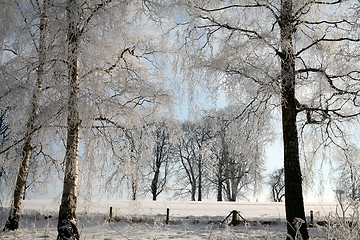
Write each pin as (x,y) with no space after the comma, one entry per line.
(118,83)
(40,45)
(67,219)
(290,49)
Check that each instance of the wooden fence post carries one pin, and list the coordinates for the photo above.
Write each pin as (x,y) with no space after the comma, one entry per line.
(235,218)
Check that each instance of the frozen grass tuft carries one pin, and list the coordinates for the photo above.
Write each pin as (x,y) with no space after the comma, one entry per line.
(345,225)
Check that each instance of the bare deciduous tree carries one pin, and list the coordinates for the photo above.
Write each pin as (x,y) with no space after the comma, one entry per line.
(236,149)
(187,158)
(191,148)
(277,185)
(165,135)
(288,48)
(348,179)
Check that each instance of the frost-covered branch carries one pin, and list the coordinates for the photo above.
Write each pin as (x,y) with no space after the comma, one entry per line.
(330,79)
(250,33)
(256,5)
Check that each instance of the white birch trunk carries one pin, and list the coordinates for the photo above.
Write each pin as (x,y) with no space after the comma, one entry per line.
(15,210)
(67,218)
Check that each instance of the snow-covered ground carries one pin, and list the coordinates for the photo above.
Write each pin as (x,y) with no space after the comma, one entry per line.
(146,220)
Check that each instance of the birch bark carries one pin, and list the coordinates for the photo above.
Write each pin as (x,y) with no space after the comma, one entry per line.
(67,218)
(15,211)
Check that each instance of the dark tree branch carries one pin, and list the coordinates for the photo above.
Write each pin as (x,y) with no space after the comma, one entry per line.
(330,78)
(309,46)
(328,22)
(323,39)
(97,8)
(302,10)
(104,119)
(10,50)
(328,3)
(114,65)
(248,32)
(257,5)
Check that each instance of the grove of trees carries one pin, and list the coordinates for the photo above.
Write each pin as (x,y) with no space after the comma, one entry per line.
(87,92)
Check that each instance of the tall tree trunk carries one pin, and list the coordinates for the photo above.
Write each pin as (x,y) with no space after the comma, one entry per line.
(67,218)
(155,180)
(353,183)
(14,217)
(227,189)
(134,187)
(133,197)
(154,183)
(200,179)
(294,204)
(15,210)
(233,190)
(222,175)
(219,184)
(193,190)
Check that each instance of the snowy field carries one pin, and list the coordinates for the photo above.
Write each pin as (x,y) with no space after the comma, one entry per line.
(146,220)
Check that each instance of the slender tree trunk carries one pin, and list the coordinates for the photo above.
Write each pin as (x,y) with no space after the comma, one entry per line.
(67,218)
(234,189)
(353,183)
(154,183)
(222,161)
(155,180)
(200,179)
(294,204)
(15,210)
(134,187)
(233,197)
(219,192)
(228,189)
(193,190)
(219,184)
